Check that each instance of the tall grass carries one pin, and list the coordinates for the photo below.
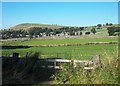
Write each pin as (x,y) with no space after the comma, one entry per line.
(108,74)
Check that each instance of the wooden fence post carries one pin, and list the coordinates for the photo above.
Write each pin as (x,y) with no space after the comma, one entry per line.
(96,62)
(54,64)
(73,64)
(15,58)
(87,69)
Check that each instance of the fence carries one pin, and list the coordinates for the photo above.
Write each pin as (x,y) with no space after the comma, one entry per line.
(95,62)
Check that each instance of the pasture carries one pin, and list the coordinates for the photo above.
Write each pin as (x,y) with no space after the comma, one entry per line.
(67,52)
(108,74)
(58,40)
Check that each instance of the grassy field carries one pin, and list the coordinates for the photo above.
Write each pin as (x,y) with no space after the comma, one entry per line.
(67,52)
(37,42)
(108,74)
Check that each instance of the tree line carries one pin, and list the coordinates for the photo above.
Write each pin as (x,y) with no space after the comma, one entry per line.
(13,33)
(38,31)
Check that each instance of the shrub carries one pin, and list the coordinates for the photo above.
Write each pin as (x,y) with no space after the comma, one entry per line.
(93,30)
(87,33)
(80,33)
(112,30)
(99,25)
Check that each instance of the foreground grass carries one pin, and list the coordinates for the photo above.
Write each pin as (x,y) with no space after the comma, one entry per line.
(108,74)
(28,71)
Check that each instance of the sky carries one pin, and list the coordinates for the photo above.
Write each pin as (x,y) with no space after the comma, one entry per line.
(61,13)
(60,0)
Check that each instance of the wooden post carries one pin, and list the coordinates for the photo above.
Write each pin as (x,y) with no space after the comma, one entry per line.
(96,62)
(73,64)
(46,64)
(15,57)
(87,71)
(54,64)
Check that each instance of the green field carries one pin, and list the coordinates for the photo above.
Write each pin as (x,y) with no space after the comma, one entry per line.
(67,52)
(108,74)
(37,42)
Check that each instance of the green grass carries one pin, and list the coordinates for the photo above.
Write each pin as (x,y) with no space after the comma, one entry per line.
(67,52)
(39,42)
(107,74)
(26,26)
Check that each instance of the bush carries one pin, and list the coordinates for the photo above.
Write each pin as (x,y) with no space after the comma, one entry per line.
(80,33)
(87,33)
(116,33)
(99,25)
(112,30)
(93,30)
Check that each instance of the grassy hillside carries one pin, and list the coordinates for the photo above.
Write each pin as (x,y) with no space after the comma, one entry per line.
(26,26)
(99,30)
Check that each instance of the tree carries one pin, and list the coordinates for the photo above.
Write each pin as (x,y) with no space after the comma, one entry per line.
(113,30)
(106,24)
(31,32)
(87,33)
(80,33)
(110,24)
(99,25)
(103,24)
(72,33)
(81,28)
(48,31)
(36,31)
(77,34)
(93,30)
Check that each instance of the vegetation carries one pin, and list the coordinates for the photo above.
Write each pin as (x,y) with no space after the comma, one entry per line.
(99,25)
(57,41)
(108,74)
(93,30)
(31,72)
(67,52)
(40,32)
(27,26)
(13,34)
(79,44)
(26,70)
(112,31)
(36,30)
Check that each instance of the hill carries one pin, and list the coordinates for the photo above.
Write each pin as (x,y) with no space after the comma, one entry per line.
(27,26)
